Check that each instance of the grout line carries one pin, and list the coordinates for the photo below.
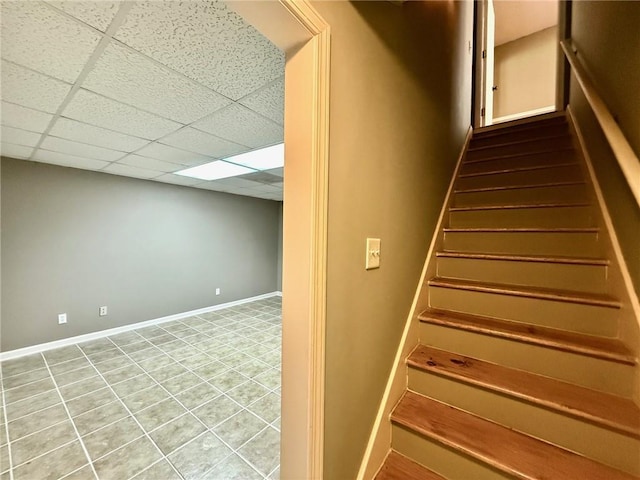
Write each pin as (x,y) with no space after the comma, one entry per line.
(48,451)
(64,405)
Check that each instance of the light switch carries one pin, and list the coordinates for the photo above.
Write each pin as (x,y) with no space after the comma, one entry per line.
(373,253)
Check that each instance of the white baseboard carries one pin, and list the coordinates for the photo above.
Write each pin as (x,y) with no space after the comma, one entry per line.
(43,347)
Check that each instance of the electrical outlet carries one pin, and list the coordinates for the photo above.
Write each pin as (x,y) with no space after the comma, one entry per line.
(217,291)
(62,318)
(103,311)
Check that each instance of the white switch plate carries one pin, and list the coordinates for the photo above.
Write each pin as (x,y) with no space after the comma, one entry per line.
(62,318)
(373,253)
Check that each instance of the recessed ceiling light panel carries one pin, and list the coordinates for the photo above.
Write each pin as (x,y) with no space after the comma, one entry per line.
(215,170)
(261,159)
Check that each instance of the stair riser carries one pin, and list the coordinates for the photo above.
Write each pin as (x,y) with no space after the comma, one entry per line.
(515,196)
(574,434)
(582,278)
(590,372)
(589,319)
(521,134)
(552,217)
(560,122)
(583,244)
(449,463)
(525,147)
(566,173)
(537,160)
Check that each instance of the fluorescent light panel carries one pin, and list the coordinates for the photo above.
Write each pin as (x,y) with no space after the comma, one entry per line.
(215,170)
(262,159)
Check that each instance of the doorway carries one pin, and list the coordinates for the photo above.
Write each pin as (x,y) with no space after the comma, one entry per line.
(517,64)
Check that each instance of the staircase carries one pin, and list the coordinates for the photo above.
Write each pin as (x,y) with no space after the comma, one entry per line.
(519,373)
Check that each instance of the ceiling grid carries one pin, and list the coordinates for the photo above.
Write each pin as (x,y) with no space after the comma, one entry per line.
(140,89)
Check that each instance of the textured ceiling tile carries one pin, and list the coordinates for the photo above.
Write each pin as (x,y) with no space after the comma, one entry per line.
(129,171)
(82,132)
(15,151)
(262,177)
(131,78)
(206,41)
(177,180)
(25,118)
(276,171)
(38,37)
(31,89)
(150,163)
(80,149)
(66,160)
(19,137)
(97,110)
(241,125)
(200,142)
(97,14)
(268,101)
(173,155)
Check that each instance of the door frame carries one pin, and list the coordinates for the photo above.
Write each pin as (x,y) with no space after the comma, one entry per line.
(297,29)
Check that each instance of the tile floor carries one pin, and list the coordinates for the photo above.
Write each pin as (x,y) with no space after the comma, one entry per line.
(197,398)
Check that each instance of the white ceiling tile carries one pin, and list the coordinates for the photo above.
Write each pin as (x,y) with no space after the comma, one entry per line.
(19,137)
(15,151)
(80,149)
(206,41)
(97,110)
(177,179)
(25,118)
(212,186)
(129,171)
(241,125)
(262,188)
(150,163)
(276,171)
(268,101)
(82,132)
(38,37)
(173,155)
(67,160)
(200,142)
(31,89)
(131,78)
(97,14)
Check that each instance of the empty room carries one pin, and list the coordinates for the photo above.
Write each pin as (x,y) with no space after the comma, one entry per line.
(141,245)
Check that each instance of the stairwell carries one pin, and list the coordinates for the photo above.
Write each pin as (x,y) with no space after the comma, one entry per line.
(519,372)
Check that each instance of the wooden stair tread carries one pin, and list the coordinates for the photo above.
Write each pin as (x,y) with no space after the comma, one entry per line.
(399,467)
(515,453)
(612,411)
(519,142)
(524,230)
(524,258)
(594,299)
(518,187)
(505,156)
(517,169)
(517,206)
(598,347)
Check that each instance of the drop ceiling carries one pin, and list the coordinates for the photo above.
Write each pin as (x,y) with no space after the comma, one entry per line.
(140,89)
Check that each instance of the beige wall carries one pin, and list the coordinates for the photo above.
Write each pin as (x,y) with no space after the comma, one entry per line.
(525,73)
(608,43)
(400,108)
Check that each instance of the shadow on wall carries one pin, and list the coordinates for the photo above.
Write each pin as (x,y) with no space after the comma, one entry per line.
(431,43)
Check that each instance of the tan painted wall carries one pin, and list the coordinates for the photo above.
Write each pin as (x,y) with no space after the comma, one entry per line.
(525,73)
(400,108)
(608,43)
